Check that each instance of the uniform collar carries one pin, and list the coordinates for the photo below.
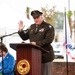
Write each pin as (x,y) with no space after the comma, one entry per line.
(41,25)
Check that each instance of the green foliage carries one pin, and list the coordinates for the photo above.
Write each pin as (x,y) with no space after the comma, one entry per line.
(27,12)
(69,14)
(49,14)
(53,17)
(59,20)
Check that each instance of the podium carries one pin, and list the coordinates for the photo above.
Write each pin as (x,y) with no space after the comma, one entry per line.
(31,53)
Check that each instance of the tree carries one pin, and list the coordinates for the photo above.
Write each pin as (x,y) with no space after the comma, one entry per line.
(49,14)
(74,26)
(69,14)
(27,12)
(59,20)
(53,17)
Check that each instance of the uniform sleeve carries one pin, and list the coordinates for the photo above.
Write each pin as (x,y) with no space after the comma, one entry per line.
(24,34)
(49,36)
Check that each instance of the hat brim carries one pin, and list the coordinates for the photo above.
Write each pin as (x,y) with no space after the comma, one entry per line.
(36,15)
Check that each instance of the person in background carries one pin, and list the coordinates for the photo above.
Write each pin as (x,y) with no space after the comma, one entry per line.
(8,61)
(42,34)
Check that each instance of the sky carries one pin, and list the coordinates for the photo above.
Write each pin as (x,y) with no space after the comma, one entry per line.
(11,11)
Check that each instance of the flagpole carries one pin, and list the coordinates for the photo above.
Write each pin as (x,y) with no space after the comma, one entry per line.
(66,43)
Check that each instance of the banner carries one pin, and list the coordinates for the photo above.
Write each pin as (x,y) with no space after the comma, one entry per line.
(67,45)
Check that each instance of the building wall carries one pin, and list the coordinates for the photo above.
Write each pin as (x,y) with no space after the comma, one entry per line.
(63,68)
(59,34)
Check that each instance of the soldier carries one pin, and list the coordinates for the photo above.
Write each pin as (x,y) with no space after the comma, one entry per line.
(42,34)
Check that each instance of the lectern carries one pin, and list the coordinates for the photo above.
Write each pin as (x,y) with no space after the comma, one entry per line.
(28,58)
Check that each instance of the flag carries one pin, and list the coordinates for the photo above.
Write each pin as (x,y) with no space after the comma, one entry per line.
(67,44)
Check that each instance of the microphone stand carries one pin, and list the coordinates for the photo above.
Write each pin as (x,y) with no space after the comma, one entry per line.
(2,50)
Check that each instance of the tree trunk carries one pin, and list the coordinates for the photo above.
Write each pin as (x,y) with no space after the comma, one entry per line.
(69,20)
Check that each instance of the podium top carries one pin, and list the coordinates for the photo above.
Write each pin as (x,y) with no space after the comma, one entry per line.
(15,45)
